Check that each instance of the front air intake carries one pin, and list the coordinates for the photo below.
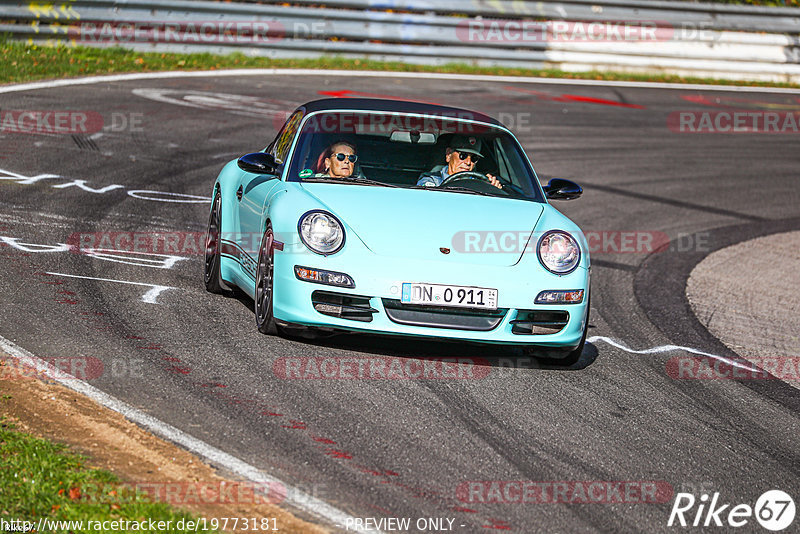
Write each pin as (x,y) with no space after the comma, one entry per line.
(343,306)
(538,322)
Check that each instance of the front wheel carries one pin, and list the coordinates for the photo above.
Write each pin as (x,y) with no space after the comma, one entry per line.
(265,271)
(211,273)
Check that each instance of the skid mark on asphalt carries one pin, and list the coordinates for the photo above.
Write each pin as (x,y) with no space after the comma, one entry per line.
(498,524)
(542,95)
(336,453)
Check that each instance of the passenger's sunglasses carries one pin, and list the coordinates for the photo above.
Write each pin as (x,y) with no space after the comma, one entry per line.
(352,157)
(470,155)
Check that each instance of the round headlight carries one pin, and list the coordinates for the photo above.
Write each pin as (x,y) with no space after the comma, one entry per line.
(559,252)
(321,232)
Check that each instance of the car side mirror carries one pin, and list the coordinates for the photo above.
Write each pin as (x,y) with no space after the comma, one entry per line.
(258,163)
(560,189)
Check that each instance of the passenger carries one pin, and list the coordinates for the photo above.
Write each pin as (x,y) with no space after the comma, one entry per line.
(337,161)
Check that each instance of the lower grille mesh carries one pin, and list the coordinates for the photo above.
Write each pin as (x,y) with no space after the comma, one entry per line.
(443,317)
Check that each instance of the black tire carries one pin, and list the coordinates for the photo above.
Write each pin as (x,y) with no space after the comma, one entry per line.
(211,275)
(265,322)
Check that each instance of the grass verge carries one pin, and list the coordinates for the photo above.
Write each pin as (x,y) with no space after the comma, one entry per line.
(33,62)
(40,479)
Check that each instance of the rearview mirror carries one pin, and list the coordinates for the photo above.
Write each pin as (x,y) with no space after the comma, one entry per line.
(560,189)
(258,163)
(413,136)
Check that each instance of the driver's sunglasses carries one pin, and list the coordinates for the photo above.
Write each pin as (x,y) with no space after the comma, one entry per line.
(352,157)
(464,155)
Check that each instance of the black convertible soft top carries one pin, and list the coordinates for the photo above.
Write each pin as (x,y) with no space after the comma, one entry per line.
(399,106)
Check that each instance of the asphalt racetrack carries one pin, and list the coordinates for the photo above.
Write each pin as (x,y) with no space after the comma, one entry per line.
(623,418)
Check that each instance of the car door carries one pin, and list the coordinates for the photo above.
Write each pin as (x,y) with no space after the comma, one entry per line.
(255,189)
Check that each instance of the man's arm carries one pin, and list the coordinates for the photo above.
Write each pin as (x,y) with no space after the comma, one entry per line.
(431,179)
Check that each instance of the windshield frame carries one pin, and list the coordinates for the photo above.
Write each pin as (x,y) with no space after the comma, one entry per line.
(540,196)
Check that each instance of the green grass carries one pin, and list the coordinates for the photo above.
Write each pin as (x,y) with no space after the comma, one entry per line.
(41,479)
(25,63)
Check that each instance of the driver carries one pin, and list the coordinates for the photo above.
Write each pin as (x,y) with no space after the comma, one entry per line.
(462,155)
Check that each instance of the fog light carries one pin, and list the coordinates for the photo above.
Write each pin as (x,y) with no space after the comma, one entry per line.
(570,296)
(319,276)
(329,309)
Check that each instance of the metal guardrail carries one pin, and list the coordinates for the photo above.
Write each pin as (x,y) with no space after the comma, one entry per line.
(684,38)
(711,16)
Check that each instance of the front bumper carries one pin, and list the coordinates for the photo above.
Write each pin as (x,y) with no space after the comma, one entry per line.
(379,280)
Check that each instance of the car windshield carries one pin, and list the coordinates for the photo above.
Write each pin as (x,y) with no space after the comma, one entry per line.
(433,152)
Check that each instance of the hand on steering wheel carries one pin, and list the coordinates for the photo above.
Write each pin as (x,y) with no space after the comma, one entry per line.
(471,175)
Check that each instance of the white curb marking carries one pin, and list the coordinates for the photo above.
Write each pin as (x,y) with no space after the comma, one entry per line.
(381,74)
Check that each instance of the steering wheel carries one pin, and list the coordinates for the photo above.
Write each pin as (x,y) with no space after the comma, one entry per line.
(505,183)
(465,175)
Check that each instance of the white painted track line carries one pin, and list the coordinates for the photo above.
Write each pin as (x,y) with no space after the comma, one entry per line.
(670,348)
(150,297)
(381,74)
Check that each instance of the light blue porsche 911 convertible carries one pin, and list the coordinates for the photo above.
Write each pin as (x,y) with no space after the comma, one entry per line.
(401,218)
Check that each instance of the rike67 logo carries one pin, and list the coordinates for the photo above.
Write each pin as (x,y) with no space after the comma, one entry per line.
(774,510)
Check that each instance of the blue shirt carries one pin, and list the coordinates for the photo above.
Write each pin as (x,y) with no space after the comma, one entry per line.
(433,178)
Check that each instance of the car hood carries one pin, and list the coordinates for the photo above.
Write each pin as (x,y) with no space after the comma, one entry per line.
(417,223)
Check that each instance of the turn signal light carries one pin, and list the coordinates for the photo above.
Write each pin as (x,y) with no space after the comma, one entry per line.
(571,296)
(319,276)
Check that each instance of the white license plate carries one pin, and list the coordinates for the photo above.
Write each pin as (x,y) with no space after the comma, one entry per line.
(444,295)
